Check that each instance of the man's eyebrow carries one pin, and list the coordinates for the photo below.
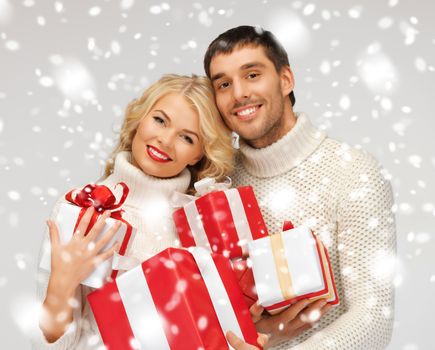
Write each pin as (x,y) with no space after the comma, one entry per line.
(248,65)
(216,76)
(169,118)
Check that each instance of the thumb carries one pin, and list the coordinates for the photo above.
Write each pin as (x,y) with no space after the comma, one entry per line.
(263,339)
(256,310)
(233,339)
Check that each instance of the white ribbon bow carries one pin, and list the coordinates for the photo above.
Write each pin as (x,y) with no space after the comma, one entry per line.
(202,187)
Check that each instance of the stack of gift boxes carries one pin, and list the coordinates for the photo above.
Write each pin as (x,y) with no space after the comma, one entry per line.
(188,298)
(276,269)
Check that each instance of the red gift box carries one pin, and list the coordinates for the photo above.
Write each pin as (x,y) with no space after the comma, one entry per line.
(223,221)
(175,300)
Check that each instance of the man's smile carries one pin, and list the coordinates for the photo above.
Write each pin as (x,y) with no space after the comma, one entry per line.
(247,112)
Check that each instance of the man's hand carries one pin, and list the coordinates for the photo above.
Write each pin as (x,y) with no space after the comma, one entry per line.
(288,324)
(239,344)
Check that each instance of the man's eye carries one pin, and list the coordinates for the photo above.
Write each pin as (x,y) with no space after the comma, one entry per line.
(223,85)
(188,139)
(253,75)
(159,120)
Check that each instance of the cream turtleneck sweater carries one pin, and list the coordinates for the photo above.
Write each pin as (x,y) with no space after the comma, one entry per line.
(147,208)
(341,194)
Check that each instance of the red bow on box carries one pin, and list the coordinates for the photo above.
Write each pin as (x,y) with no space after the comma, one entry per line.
(98,196)
(101,198)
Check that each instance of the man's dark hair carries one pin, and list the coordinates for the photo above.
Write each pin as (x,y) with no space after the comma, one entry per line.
(248,36)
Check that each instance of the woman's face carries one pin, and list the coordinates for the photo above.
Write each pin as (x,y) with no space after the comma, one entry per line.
(167,139)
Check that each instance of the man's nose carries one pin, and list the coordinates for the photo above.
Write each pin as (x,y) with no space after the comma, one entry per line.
(240,91)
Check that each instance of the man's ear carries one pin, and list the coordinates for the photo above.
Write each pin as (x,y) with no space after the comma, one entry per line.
(287,80)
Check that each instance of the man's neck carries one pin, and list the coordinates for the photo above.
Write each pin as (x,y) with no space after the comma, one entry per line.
(287,122)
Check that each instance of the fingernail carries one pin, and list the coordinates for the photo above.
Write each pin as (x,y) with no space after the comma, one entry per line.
(260,341)
(323,302)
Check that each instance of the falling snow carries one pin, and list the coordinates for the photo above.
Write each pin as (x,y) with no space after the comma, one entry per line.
(364,73)
(94,11)
(385,22)
(127,4)
(12,45)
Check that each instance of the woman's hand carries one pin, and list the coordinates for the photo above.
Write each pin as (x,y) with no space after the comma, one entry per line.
(71,263)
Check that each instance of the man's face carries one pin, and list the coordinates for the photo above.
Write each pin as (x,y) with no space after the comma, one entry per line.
(251,95)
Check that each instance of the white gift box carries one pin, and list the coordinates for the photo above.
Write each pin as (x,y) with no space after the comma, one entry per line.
(288,267)
(66,220)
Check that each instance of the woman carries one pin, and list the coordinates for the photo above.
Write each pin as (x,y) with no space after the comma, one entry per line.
(171,137)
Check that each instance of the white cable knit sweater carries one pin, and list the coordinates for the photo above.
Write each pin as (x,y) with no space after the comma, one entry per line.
(147,209)
(340,192)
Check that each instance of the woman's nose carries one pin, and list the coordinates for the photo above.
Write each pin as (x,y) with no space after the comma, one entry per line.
(166,138)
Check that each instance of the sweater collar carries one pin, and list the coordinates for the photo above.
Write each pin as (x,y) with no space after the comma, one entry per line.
(143,186)
(286,153)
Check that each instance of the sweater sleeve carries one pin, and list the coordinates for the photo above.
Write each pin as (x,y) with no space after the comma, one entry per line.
(72,335)
(366,250)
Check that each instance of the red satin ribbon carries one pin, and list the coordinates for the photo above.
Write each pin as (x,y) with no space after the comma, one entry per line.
(98,196)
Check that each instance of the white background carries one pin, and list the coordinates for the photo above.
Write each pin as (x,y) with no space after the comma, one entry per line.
(364,72)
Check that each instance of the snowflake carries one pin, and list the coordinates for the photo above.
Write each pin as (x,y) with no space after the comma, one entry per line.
(309,9)
(12,45)
(94,11)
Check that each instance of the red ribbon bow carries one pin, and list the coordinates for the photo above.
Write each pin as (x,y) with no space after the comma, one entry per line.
(98,196)
(101,198)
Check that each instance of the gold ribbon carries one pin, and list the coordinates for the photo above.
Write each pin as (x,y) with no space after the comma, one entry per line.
(281,265)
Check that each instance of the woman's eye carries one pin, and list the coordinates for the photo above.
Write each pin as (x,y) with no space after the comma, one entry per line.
(188,139)
(159,120)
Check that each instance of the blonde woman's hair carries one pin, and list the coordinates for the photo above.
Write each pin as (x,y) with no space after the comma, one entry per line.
(218,159)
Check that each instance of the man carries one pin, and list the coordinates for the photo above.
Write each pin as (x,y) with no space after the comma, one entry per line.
(300,174)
